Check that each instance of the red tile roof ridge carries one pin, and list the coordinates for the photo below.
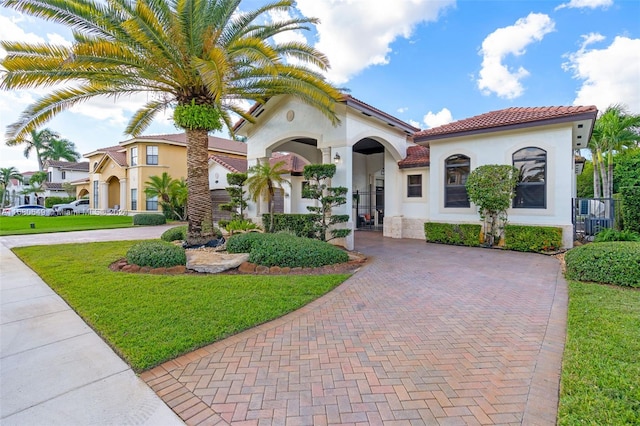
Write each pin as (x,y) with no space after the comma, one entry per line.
(417,156)
(226,162)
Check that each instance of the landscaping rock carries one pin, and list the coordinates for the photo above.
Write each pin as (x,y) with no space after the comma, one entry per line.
(247,268)
(213,262)
(275,270)
(158,271)
(180,269)
(262,269)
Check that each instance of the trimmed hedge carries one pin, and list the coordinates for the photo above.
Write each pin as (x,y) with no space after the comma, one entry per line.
(610,263)
(156,254)
(302,225)
(179,233)
(448,233)
(608,235)
(149,219)
(286,250)
(631,208)
(532,238)
(51,201)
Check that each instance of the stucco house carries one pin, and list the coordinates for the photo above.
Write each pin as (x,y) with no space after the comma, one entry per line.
(400,177)
(118,173)
(61,172)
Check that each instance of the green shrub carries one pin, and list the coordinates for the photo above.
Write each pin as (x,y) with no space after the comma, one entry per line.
(631,207)
(156,254)
(149,219)
(532,238)
(51,201)
(611,263)
(448,233)
(243,243)
(608,235)
(302,225)
(240,225)
(175,234)
(285,250)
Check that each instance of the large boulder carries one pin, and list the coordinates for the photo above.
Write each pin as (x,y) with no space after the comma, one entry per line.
(214,262)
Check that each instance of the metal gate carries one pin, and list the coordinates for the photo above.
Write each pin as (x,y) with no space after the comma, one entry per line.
(369,209)
(591,215)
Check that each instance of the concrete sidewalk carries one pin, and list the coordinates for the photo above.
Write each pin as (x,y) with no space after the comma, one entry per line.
(54,368)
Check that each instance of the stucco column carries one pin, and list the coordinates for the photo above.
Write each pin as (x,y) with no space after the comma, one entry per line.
(103,195)
(123,194)
(326,155)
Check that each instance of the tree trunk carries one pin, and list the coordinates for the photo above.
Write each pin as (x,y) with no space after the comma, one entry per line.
(199,205)
(596,177)
(610,174)
(603,175)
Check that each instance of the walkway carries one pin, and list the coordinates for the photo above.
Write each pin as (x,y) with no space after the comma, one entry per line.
(424,334)
(54,368)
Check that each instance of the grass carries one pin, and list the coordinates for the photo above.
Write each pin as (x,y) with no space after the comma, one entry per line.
(149,319)
(601,367)
(19,225)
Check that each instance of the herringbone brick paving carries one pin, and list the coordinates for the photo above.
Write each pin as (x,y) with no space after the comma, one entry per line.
(424,334)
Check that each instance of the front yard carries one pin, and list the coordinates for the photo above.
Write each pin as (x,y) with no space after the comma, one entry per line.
(19,225)
(149,319)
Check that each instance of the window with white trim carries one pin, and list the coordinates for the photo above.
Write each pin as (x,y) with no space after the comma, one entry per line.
(152,155)
(531,191)
(414,186)
(457,168)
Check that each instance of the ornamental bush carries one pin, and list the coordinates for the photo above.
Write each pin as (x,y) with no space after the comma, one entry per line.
(608,235)
(156,254)
(286,250)
(610,263)
(151,219)
(532,238)
(302,225)
(451,233)
(631,207)
(179,233)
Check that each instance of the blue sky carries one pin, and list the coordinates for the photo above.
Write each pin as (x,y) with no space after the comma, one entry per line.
(426,62)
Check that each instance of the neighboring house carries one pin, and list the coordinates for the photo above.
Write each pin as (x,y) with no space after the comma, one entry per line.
(16,190)
(118,173)
(61,172)
(287,200)
(401,177)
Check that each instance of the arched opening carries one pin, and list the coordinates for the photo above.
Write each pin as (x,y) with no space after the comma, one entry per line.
(83,193)
(368,184)
(113,191)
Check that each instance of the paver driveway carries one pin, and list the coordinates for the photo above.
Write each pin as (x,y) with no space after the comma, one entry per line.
(424,334)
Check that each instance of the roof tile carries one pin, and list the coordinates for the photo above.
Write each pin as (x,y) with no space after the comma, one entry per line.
(417,156)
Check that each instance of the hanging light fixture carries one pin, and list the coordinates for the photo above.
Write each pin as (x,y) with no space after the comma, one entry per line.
(336,158)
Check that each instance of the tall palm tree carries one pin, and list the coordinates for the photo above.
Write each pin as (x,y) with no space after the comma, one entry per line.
(33,140)
(262,182)
(6,174)
(60,149)
(200,56)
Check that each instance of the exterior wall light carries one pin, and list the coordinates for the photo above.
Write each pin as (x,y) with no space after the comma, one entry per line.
(336,158)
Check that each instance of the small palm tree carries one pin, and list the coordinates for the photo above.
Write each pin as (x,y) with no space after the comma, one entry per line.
(60,149)
(165,188)
(198,56)
(6,174)
(262,182)
(35,184)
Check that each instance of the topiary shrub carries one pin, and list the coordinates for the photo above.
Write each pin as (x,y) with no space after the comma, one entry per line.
(179,233)
(608,235)
(151,219)
(451,233)
(537,239)
(287,250)
(156,254)
(302,225)
(611,263)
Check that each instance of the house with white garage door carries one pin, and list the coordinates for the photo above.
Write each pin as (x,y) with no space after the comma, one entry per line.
(400,177)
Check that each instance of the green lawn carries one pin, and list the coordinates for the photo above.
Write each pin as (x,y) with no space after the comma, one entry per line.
(18,225)
(601,367)
(149,319)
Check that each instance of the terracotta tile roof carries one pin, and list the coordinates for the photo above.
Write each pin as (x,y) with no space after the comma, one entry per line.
(215,143)
(68,165)
(235,165)
(417,156)
(119,157)
(508,118)
(56,186)
(293,163)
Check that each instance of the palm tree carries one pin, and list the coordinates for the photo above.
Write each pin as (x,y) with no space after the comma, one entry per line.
(6,174)
(262,182)
(60,149)
(35,184)
(171,193)
(199,56)
(37,141)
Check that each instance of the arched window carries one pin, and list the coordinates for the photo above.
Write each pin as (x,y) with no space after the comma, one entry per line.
(531,191)
(457,168)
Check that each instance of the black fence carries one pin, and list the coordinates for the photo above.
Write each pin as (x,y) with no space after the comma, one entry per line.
(591,215)
(369,208)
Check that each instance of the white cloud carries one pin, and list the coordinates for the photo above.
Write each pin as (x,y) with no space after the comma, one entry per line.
(402,110)
(609,75)
(356,34)
(437,119)
(415,124)
(590,4)
(495,76)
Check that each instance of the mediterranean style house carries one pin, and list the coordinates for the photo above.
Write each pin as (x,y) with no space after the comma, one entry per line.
(400,177)
(118,173)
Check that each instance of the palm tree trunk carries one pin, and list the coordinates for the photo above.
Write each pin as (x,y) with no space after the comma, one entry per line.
(199,205)
(596,177)
(610,173)
(603,175)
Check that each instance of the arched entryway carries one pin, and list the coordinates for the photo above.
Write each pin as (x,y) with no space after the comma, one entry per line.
(113,193)
(368,184)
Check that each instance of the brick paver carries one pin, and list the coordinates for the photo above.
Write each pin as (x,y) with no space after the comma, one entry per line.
(424,334)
